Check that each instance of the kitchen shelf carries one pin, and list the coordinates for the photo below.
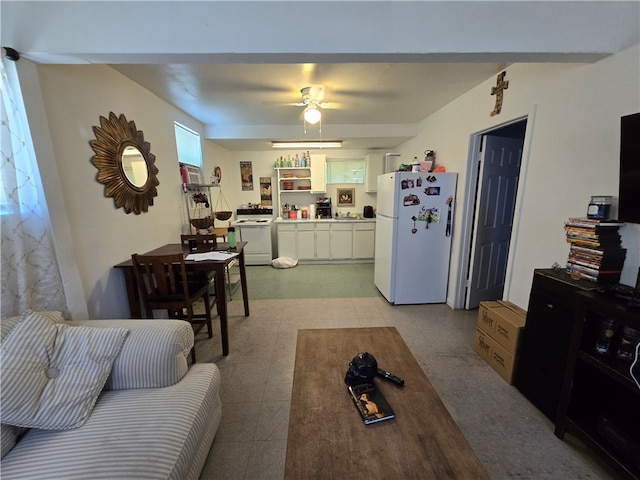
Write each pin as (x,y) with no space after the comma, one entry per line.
(312,177)
(194,212)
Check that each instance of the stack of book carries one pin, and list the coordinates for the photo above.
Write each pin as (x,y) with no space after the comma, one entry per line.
(595,253)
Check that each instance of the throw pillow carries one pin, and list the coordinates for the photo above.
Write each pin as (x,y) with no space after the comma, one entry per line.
(9,323)
(53,373)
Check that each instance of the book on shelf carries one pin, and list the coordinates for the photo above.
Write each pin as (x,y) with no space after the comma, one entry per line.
(596,252)
(572,232)
(600,243)
(599,276)
(571,266)
(592,222)
(371,404)
(597,263)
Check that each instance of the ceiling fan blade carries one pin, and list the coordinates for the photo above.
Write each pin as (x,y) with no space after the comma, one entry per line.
(336,105)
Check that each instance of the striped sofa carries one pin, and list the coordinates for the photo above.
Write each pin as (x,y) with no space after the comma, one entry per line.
(156,418)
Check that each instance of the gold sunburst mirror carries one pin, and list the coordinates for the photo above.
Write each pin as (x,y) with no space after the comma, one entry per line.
(126,166)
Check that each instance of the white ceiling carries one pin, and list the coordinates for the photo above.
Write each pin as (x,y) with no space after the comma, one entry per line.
(247,106)
(235,65)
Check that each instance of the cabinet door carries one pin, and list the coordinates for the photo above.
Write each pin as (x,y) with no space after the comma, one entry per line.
(306,242)
(287,240)
(323,241)
(364,236)
(342,241)
(545,343)
(374,166)
(318,179)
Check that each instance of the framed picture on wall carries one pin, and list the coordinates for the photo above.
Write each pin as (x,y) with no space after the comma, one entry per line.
(346,197)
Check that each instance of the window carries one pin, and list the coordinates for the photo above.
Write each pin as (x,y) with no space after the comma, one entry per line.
(188,145)
(345,170)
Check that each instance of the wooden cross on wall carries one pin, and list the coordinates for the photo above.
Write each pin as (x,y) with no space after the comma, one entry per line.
(498,90)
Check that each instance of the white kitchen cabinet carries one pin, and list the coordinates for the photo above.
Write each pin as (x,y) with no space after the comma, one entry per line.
(374,166)
(341,240)
(364,239)
(318,173)
(326,240)
(287,240)
(306,239)
(323,241)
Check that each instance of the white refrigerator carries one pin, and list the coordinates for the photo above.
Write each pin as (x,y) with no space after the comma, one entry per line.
(414,219)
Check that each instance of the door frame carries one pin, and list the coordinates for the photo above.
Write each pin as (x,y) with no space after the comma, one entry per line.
(471,188)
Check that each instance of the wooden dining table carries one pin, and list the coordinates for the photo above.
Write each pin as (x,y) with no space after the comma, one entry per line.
(207,266)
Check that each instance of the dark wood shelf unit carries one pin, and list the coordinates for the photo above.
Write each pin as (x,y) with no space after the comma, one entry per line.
(546,336)
(599,401)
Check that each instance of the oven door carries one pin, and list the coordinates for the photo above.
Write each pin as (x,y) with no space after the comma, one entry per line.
(258,250)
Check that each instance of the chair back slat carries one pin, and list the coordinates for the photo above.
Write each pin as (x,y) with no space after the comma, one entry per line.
(160,279)
(201,240)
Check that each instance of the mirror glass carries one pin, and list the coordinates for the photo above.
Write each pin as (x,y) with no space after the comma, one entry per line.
(134,166)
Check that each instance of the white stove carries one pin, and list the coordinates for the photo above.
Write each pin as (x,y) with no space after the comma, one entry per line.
(253,225)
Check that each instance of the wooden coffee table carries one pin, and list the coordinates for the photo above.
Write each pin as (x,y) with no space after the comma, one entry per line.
(327,438)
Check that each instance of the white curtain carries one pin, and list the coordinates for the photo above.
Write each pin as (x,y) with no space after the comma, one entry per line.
(30,275)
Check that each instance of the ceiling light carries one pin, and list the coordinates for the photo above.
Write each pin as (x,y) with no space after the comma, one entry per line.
(309,145)
(312,115)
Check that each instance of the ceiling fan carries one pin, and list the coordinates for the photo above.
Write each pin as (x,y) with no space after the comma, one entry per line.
(312,100)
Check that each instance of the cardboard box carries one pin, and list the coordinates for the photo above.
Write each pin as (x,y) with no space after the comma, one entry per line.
(483,344)
(495,355)
(503,321)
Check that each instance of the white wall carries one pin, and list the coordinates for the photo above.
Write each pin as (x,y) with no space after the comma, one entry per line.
(74,98)
(263,166)
(574,136)
(574,149)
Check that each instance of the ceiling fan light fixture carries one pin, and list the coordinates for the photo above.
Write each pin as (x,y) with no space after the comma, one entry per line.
(312,115)
(307,145)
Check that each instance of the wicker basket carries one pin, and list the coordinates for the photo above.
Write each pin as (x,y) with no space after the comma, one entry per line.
(223,215)
(202,223)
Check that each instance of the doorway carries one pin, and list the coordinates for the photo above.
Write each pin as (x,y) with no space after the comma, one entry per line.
(494,174)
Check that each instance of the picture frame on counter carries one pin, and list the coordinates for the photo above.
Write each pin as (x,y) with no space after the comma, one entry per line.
(346,197)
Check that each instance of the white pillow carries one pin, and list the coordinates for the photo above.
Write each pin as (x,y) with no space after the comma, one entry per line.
(53,373)
(284,262)
(9,323)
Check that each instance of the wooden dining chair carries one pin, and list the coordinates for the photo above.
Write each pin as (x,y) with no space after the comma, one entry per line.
(165,285)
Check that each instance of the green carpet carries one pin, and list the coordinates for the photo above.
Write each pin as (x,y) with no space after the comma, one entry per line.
(311,281)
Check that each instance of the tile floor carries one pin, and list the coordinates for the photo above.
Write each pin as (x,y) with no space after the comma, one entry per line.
(510,437)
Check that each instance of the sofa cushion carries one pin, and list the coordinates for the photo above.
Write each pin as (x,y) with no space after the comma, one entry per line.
(52,373)
(9,437)
(9,323)
(155,433)
(154,354)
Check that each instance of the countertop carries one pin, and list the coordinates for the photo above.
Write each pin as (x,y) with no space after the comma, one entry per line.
(325,220)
